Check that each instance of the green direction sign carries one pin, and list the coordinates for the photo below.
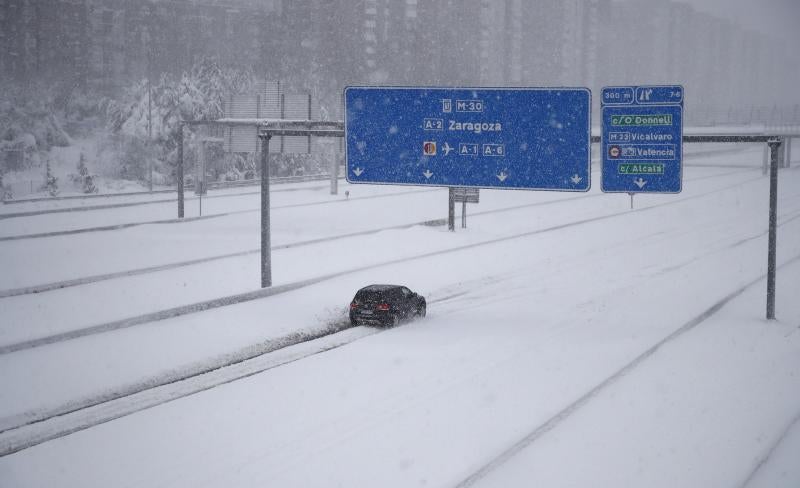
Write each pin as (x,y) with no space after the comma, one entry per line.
(641,120)
(640,169)
(642,139)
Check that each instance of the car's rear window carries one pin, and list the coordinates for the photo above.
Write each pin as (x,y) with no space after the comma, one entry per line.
(374,296)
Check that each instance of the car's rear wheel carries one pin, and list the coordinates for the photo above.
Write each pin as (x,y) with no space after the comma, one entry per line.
(422,310)
(353,321)
(394,320)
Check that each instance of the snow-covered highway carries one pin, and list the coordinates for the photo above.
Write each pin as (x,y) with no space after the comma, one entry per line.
(532,309)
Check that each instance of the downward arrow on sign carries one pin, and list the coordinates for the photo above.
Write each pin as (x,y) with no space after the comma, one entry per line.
(576,179)
(640,182)
(502,176)
(427,174)
(358,171)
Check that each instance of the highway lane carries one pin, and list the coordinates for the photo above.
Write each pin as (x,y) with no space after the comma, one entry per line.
(209,322)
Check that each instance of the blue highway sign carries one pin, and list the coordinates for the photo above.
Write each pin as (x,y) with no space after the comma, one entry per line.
(642,141)
(520,138)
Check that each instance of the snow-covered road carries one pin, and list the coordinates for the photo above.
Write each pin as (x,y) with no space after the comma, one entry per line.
(528,315)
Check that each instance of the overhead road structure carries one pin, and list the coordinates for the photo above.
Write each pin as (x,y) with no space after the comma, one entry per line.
(777,153)
(293,127)
(268,128)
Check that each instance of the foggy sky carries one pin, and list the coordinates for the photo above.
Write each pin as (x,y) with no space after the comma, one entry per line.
(775,18)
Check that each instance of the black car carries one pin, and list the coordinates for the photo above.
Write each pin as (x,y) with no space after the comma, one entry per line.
(385,305)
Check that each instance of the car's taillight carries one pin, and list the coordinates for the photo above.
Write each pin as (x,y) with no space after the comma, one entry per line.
(382,306)
(353,306)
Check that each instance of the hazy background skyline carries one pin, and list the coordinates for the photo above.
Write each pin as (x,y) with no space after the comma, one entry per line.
(778,18)
(124,74)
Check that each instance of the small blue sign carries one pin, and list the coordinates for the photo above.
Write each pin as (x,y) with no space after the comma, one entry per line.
(642,141)
(621,95)
(520,138)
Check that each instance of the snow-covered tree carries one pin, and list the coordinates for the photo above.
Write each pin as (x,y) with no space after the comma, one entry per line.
(29,122)
(198,94)
(50,181)
(85,179)
(5,193)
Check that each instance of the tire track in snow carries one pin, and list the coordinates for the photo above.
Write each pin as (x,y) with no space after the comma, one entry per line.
(237,212)
(193,219)
(57,285)
(104,228)
(32,417)
(133,204)
(260,358)
(211,186)
(583,400)
(266,348)
(266,292)
(248,361)
(151,269)
(88,412)
(763,460)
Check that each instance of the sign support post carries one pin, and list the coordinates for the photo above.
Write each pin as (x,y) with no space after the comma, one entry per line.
(789,151)
(180,170)
(774,146)
(267,130)
(266,255)
(451,209)
(773,143)
(334,171)
(465,195)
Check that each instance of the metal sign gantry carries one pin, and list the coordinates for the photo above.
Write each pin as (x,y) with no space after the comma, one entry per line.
(267,129)
(270,128)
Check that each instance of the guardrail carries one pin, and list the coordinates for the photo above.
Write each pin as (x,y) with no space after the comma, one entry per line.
(257,181)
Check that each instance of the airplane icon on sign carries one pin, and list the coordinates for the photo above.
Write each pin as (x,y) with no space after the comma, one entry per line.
(446,148)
